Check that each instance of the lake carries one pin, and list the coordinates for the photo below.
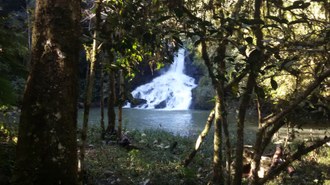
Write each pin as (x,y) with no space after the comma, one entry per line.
(178,122)
(188,122)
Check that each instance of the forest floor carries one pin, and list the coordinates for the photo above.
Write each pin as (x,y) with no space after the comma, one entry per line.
(152,159)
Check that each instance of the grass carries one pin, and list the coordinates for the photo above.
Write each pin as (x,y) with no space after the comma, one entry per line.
(152,161)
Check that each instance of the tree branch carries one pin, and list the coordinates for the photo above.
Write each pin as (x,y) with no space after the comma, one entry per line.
(297,155)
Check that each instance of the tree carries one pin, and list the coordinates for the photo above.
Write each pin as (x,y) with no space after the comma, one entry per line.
(47,142)
(90,84)
(246,49)
(138,35)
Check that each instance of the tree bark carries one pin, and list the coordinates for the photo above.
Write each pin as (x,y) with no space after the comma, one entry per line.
(218,175)
(47,141)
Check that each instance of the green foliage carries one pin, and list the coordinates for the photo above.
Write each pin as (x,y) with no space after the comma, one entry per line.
(136,31)
(13,51)
(8,123)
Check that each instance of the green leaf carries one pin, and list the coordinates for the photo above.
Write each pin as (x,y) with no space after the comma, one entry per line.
(273,83)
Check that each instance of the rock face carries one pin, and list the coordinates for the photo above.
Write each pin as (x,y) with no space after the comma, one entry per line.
(203,95)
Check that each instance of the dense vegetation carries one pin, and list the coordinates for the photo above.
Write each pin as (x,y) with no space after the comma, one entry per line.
(268,57)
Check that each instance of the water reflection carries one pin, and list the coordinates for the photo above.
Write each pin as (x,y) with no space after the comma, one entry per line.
(182,122)
(190,122)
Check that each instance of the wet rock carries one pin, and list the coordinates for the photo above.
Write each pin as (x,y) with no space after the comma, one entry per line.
(137,102)
(161,105)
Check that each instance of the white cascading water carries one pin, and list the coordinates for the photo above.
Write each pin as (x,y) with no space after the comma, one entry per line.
(172,90)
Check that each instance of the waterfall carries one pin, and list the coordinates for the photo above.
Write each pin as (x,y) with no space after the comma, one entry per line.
(172,90)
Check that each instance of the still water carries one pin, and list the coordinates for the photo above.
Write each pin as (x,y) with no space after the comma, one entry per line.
(192,122)
(179,122)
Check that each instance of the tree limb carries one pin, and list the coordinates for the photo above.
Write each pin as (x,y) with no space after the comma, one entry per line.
(297,155)
(200,139)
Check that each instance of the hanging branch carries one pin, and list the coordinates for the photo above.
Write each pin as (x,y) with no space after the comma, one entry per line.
(200,139)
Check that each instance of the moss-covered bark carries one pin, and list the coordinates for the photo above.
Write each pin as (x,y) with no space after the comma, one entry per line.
(47,143)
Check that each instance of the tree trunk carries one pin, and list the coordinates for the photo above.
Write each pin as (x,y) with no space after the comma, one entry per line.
(102,101)
(220,93)
(240,129)
(218,177)
(121,102)
(89,88)
(47,141)
(111,101)
(87,103)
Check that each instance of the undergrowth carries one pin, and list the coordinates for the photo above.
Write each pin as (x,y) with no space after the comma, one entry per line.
(156,158)
(152,161)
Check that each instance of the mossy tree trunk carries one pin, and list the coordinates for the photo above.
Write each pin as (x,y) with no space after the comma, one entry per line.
(47,141)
